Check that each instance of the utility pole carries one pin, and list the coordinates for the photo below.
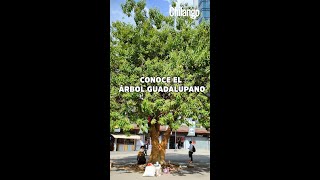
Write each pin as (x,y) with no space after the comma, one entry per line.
(175,17)
(175,140)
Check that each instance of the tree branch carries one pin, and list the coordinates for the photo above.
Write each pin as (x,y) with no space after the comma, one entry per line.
(166,137)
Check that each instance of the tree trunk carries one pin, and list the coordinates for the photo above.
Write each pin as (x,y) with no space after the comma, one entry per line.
(158,151)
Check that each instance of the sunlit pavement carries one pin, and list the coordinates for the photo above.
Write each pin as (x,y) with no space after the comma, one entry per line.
(201,164)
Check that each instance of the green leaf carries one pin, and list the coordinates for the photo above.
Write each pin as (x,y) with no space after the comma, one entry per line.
(153,48)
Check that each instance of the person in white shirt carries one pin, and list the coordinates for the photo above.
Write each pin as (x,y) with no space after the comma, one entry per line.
(146,148)
(190,151)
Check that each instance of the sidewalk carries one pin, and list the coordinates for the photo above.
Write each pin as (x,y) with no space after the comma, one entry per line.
(176,151)
(114,175)
(201,164)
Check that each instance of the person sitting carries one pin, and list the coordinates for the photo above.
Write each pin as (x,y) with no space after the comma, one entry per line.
(141,156)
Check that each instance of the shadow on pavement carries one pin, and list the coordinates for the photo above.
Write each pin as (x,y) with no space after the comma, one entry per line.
(201,164)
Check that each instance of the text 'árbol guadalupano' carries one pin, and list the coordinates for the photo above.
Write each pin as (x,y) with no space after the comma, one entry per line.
(175,80)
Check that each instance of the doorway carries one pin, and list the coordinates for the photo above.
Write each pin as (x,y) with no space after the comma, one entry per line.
(171,142)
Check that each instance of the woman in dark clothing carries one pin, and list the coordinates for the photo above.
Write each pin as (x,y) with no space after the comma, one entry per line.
(141,156)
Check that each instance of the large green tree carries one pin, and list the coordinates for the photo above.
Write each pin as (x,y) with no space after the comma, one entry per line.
(156,46)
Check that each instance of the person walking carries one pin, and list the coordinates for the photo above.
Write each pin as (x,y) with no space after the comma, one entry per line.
(191,150)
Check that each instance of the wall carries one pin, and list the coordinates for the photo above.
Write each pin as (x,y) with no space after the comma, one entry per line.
(126,144)
(138,144)
(201,143)
(186,142)
(125,147)
(115,145)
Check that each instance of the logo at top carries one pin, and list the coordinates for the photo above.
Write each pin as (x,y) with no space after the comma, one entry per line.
(193,13)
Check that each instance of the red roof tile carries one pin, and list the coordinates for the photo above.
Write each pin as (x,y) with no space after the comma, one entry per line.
(182,129)
(202,131)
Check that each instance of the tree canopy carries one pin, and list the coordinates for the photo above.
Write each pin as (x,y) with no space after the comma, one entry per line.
(156,46)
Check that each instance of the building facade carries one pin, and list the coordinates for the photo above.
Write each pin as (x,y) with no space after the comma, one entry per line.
(204,8)
(179,139)
(121,142)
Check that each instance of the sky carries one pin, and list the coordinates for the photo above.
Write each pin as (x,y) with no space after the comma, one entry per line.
(163,5)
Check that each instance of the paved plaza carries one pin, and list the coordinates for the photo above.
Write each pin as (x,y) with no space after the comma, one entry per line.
(201,165)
